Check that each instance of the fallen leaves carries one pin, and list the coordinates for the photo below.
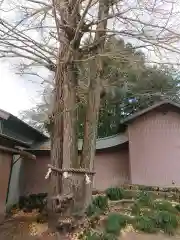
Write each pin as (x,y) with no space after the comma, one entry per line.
(37,229)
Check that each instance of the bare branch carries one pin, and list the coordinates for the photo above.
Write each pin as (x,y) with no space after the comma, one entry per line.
(39,2)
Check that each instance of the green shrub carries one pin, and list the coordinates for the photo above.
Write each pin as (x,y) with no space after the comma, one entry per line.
(178,207)
(33,201)
(162,220)
(92,210)
(113,226)
(135,209)
(115,194)
(166,221)
(165,206)
(91,235)
(99,205)
(22,202)
(145,224)
(123,220)
(109,236)
(115,222)
(101,202)
(145,199)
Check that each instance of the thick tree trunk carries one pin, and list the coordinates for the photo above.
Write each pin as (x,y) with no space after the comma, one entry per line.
(64,152)
(90,128)
(93,105)
(64,145)
(90,132)
(70,153)
(70,144)
(56,144)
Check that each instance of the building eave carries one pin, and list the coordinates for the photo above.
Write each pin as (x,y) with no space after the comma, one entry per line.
(101,143)
(14,141)
(7,116)
(146,110)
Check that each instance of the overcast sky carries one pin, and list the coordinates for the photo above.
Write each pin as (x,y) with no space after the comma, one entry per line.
(16,93)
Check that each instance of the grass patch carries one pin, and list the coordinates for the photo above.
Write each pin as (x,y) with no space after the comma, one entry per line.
(93,210)
(136,209)
(166,221)
(165,206)
(145,199)
(145,224)
(101,202)
(108,236)
(98,206)
(115,222)
(178,207)
(115,194)
(156,221)
(91,235)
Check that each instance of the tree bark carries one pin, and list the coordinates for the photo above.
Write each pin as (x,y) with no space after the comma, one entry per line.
(70,154)
(63,148)
(93,105)
(64,152)
(56,144)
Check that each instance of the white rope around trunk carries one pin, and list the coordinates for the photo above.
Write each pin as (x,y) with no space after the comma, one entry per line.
(48,173)
(66,175)
(88,181)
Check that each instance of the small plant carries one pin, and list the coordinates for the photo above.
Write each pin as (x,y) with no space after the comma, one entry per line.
(165,206)
(115,222)
(145,199)
(33,201)
(145,224)
(109,236)
(135,209)
(115,194)
(91,235)
(94,220)
(166,221)
(92,210)
(178,207)
(99,205)
(101,202)
(113,226)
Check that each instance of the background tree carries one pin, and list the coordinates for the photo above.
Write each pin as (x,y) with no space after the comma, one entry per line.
(125,90)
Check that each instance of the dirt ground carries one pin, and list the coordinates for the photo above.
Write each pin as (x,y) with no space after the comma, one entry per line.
(24,227)
(17,230)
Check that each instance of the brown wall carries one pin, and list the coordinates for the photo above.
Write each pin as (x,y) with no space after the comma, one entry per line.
(5,168)
(112,168)
(154,145)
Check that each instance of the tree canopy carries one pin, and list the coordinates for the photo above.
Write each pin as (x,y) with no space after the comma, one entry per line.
(127,87)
